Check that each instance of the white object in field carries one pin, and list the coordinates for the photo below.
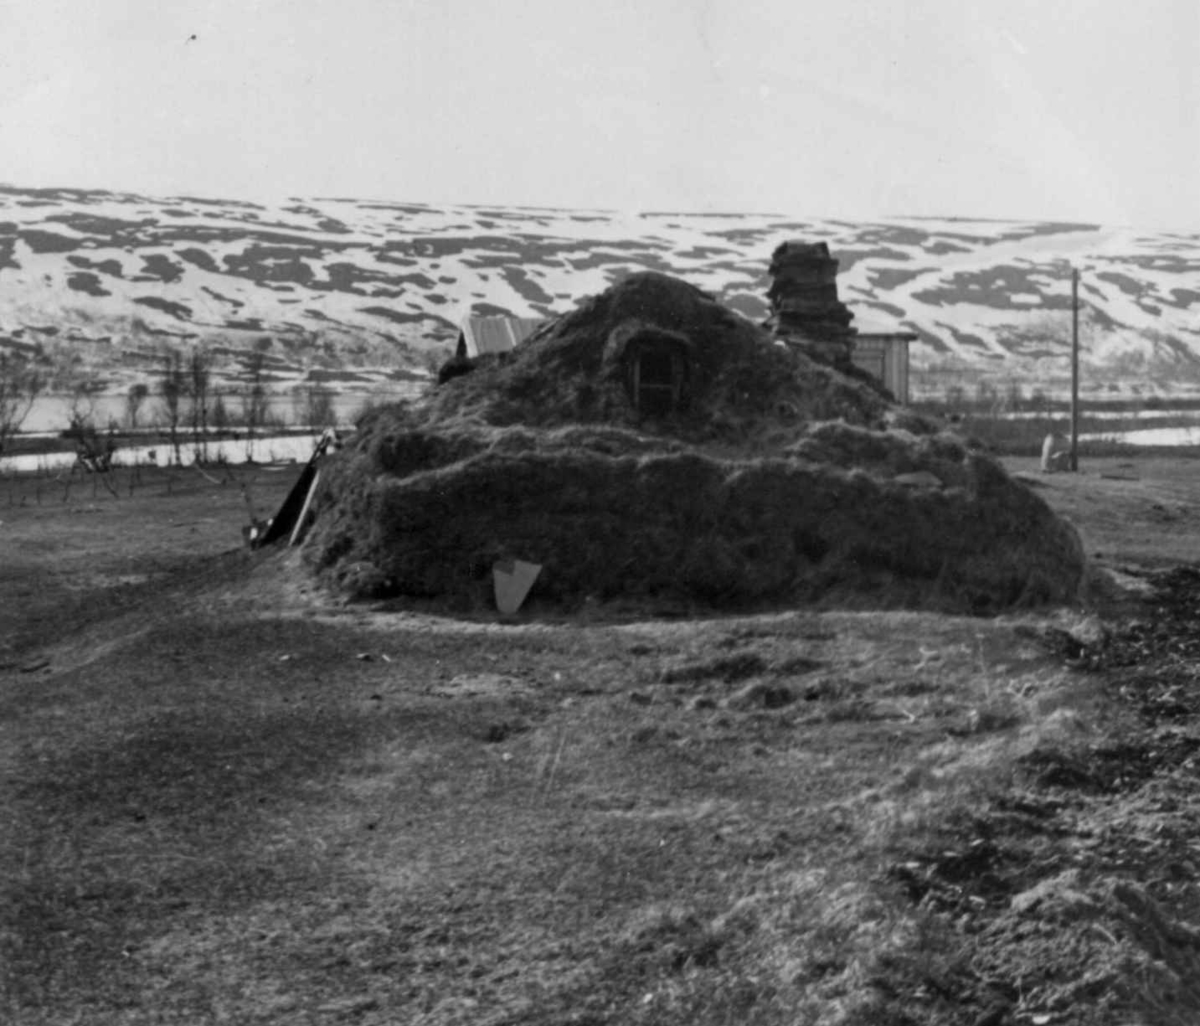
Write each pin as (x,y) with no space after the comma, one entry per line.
(298,530)
(513,579)
(1055,455)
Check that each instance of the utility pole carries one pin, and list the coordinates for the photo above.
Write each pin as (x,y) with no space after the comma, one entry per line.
(1074,369)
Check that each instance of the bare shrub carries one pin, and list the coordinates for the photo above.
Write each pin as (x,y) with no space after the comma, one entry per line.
(956,398)
(93,451)
(20,385)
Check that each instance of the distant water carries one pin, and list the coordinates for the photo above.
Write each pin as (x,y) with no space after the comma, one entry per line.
(281,449)
(1091,412)
(298,449)
(1167,436)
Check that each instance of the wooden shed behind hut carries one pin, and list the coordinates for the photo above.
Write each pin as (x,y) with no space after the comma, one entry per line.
(881,349)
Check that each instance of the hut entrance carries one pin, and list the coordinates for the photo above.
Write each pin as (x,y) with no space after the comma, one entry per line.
(657,372)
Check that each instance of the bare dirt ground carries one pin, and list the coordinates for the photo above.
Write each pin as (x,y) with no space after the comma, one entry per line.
(228,800)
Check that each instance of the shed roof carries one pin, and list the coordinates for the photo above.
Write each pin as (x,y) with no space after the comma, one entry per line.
(876,327)
(496,334)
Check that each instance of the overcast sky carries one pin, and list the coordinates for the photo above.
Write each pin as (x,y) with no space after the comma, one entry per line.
(1071,109)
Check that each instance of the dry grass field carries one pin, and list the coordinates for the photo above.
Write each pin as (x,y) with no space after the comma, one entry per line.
(228,799)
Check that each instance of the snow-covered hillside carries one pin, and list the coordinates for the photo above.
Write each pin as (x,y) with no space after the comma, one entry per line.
(360,292)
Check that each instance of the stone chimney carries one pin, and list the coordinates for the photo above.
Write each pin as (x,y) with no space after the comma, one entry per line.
(805,309)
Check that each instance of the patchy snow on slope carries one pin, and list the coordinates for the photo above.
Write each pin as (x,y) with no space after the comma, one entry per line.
(330,282)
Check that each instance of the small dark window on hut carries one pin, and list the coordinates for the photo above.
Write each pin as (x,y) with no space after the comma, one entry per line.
(657,371)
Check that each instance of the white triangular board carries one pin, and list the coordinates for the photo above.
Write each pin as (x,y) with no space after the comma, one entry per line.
(513,579)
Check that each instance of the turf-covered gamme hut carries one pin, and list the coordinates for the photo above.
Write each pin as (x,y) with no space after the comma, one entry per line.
(654,445)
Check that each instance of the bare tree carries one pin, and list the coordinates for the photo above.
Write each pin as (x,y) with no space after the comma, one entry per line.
(254,399)
(316,409)
(198,379)
(219,415)
(172,389)
(134,399)
(84,392)
(20,385)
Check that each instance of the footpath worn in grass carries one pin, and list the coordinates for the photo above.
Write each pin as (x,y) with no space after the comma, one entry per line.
(229,801)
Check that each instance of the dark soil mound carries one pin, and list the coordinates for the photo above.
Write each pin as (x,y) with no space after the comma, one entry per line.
(654,444)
